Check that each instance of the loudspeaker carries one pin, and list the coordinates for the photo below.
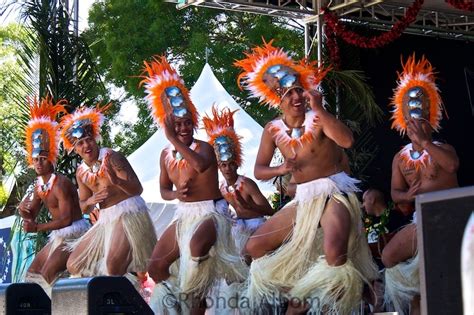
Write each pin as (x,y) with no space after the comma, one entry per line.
(441,219)
(23,298)
(98,295)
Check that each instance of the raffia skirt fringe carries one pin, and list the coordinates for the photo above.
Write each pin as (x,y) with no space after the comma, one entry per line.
(133,217)
(296,270)
(191,280)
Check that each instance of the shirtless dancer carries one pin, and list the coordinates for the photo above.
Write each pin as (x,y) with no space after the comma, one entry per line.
(200,233)
(422,166)
(123,237)
(241,192)
(55,191)
(324,218)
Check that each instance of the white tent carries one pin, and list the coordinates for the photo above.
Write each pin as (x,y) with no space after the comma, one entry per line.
(145,160)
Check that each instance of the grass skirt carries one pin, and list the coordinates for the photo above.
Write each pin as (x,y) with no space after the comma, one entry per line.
(132,214)
(58,238)
(402,284)
(67,234)
(289,272)
(193,280)
(37,278)
(243,228)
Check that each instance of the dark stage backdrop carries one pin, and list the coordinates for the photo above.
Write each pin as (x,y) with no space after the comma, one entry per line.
(452,59)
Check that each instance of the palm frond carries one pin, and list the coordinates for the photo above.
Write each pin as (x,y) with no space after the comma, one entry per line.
(54,61)
(356,100)
(352,100)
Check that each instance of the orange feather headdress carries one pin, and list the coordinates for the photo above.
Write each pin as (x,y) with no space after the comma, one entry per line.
(42,131)
(166,92)
(83,122)
(222,136)
(416,95)
(269,73)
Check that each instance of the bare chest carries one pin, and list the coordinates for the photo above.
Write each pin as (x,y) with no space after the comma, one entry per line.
(319,151)
(430,172)
(50,201)
(183,174)
(100,183)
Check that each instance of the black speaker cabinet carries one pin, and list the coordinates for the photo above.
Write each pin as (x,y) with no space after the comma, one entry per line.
(442,217)
(23,298)
(97,296)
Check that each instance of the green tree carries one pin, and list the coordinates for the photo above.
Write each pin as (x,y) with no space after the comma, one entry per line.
(51,60)
(11,37)
(123,34)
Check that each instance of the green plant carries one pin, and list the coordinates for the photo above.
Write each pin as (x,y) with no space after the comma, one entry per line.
(50,60)
(3,196)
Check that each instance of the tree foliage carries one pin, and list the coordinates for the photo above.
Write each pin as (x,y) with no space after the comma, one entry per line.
(40,57)
(52,61)
(11,38)
(122,34)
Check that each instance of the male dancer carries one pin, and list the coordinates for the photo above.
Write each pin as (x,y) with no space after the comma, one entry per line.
(199,234)
(324,217)
(241,192)
(55,191)
(123,237)
(421,166)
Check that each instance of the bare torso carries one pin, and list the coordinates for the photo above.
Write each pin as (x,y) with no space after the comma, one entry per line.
(201,186)
(319,158)
(115,194)
(52,200)
(408,182)
(246,191)
(116,163)
(431,178)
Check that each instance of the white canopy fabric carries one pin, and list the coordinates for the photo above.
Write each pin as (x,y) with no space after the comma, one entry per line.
(145,160)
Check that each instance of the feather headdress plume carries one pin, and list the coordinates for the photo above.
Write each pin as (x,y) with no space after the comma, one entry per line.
(166,92)
(268,73)
(83,122)
(222,136)
(42,131)
(416,95)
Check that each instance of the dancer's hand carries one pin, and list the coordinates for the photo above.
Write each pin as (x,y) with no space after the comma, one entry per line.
(288,166)
(98,197)
(183,190)
(413,190)
(30,226)
(24,208)
(168,127)
(416,133)
(315,99)
(248,205)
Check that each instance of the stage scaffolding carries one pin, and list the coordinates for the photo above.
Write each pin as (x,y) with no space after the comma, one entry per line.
(435,19)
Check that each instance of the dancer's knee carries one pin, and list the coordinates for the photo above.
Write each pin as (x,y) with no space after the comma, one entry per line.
(254,249)
(159,270)
(336,256)
(71,267)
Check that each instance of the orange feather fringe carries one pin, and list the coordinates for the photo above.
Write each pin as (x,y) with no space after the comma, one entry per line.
(260,59)
(416,74)
(222,124)
(95,115)
(157,76)
(43,116)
